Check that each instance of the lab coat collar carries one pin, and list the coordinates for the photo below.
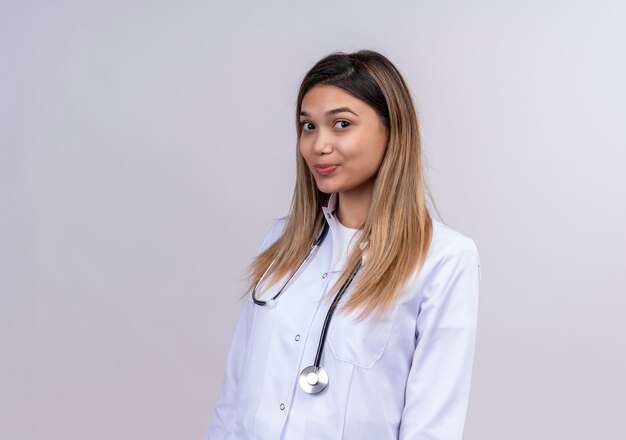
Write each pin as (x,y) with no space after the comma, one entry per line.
(331,205)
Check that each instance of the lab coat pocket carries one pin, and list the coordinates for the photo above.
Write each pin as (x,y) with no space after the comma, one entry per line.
(361,343)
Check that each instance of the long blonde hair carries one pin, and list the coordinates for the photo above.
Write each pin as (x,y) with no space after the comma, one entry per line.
(398,227)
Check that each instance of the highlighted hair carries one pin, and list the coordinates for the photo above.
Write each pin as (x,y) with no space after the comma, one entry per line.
(398,226)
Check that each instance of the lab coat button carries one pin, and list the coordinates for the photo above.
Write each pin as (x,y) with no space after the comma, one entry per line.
(282,406)
(325,275)
(297,338)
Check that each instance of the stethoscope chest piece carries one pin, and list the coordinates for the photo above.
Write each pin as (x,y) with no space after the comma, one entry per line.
(313,379)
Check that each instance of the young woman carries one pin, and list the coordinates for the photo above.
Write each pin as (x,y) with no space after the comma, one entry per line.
(360,317)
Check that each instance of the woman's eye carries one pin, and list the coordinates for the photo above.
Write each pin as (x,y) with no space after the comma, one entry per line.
(306,126)
(344,124)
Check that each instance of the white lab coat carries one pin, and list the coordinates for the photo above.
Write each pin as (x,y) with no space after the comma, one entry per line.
(405,377)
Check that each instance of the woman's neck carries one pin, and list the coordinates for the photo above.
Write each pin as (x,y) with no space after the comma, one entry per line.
(353,206)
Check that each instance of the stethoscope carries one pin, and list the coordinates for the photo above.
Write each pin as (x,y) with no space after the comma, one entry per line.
(313,379)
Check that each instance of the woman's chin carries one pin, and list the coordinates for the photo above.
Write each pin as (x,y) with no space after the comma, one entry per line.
(326,188)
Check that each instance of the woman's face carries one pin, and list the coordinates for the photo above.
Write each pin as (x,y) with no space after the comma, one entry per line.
(343,132)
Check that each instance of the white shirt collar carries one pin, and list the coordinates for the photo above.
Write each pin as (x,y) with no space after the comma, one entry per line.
(331,218)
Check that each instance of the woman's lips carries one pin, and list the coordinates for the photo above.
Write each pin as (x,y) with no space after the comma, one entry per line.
(325,170)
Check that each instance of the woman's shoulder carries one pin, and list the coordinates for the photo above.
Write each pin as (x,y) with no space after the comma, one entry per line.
(450,254)
(274,231)
(278,226)
(447,241)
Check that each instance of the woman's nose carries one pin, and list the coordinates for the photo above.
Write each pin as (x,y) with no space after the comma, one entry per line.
(323,142)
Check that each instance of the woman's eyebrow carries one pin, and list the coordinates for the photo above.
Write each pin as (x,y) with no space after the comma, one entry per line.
(333,111)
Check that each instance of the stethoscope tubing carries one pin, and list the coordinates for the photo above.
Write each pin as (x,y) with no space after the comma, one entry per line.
(314,247)
(313,379)
(331,311)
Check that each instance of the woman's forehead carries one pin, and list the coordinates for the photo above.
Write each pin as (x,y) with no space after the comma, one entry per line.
(326,98)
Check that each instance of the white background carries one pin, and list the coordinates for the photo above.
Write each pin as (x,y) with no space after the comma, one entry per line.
(146,146)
